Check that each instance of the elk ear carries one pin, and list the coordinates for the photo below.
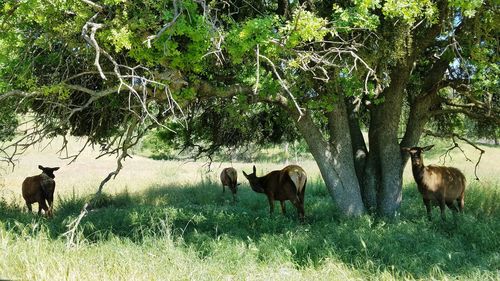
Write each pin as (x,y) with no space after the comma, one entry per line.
(427,147)
(55,169)
(245,174)
(254,170)
(405,149)
(40,167)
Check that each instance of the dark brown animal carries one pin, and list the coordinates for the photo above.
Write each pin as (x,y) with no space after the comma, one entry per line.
(438,184)
(40,189)
(286,184)
(229,178)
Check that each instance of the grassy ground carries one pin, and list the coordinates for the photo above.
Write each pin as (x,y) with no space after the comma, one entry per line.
(167,220)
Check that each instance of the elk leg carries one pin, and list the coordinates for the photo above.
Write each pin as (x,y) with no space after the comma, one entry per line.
(300,208)
(50,201)
(29,207)
(223,188)
(271,204)
(452,206)
(42,205)
(302,192)
(442,206)
(427,204)
(460,202)
(283,207)
(234,197)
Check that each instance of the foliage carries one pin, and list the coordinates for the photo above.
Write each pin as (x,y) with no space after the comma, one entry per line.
(221,124)
(8,121)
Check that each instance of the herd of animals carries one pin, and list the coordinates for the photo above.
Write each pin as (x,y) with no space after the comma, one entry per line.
(436,184)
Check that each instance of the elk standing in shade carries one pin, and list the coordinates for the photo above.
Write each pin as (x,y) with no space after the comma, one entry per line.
(286,184)
(229,177)
(40,189)
(437,183)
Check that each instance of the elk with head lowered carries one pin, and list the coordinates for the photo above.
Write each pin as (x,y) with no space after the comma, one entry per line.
(439,184)
(229,177)
(288,183)
(40,189)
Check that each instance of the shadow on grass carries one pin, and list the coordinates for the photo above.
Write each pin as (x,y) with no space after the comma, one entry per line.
(204,218)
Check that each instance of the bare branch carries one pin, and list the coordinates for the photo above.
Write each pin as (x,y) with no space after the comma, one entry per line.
(285,87)
(126,144)
(98,7)
(452,136)
(131,87)
(474,114)
(90,38)
(16,93)
(162,30)
(257,70)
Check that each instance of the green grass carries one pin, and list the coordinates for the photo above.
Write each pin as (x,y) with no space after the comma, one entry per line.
(195,232)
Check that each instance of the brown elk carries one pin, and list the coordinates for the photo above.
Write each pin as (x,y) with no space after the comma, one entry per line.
(439,184)
(229,178)
(286,184)
(40,189)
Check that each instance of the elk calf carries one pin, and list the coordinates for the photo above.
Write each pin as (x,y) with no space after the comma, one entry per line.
(229,177)
(437,183)
(286,184)
(39,189)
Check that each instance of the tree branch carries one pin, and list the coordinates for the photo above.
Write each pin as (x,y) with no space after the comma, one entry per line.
(97,7)
(70,234)
(452,136)
(164,28)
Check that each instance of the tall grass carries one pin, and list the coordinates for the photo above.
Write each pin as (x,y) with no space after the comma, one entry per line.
(195,232)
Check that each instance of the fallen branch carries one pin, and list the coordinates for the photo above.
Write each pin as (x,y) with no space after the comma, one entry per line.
(73,225)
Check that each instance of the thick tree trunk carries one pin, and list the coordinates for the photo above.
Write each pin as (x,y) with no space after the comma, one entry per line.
(371,181)
(421,106)
(334,159)
(384,164)
(383,169)
(357,141)
(359,178)
(283,8)
(417,119)
(360,154)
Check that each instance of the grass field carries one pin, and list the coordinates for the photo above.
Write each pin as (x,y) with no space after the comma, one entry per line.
(169,220)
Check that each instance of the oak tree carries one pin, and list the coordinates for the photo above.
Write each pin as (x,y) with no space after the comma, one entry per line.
(271,70)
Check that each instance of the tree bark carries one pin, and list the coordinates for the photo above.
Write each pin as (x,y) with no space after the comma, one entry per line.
(360,155)
(334,158)
(283,8)
(421,106)
(385,162)
(384,159)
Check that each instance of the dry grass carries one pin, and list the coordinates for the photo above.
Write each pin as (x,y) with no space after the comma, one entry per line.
(83,176)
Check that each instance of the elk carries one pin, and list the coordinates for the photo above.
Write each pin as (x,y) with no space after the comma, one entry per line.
(40,189)
(229,178)
(439,184)
(288,183)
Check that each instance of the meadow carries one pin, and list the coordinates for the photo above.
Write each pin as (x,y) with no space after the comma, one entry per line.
(169,220)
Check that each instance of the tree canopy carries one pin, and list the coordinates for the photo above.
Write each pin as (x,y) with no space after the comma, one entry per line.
(224,73)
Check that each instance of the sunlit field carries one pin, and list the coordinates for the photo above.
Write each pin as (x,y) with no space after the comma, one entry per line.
(169,220)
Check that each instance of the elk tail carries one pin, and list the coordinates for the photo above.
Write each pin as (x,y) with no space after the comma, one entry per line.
(299,179)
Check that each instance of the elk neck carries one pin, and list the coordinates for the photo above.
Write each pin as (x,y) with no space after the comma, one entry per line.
(259,184)
(417,167)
